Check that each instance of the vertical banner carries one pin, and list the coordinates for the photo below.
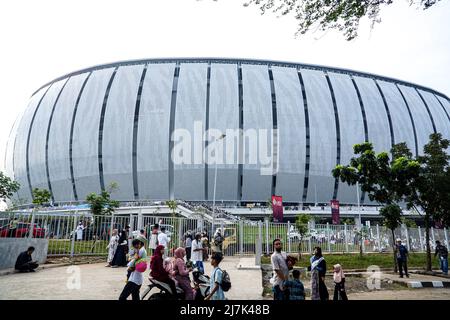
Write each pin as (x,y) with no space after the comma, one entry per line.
(335,211)
(277,208)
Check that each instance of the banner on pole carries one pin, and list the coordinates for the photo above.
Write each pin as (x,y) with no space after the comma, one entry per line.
(277,208)
(335,211)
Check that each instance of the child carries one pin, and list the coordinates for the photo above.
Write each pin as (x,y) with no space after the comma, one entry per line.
(296,288)
(215,291)
(339,283)
(136,278)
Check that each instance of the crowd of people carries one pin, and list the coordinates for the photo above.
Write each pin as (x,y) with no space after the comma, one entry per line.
(173,269)
(289,287)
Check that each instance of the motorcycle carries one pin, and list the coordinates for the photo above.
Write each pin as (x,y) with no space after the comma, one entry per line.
(201,287)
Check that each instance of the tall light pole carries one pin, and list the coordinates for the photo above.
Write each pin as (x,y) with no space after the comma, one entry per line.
(215,181)
(359,211)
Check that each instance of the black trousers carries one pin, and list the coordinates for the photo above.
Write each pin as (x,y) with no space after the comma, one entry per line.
(402,266)
(188,253)
(339,291)
(27,266)
(130,288)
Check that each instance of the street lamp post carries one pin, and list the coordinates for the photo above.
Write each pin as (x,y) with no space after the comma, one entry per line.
(215,182)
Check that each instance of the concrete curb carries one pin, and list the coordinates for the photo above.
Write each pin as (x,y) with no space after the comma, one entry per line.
(428,284)
(45,266)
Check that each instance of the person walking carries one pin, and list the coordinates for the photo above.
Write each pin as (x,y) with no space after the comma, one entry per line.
(163,240)
(280,271)
(188,245)
(154,238)
(112,246)
(442,251)
(197,253)
(135,278)
(339,283)
(215,289)
(205,244)
(24,262)
(402,258)
(182,274)
(318,270)
(79,231)
(120,257)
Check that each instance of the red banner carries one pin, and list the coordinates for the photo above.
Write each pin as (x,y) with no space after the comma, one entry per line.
(335,211)
(277,208)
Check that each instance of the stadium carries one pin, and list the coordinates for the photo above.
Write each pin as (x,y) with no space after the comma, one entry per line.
(118,123)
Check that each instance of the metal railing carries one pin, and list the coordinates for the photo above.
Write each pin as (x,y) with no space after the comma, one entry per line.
(84,234)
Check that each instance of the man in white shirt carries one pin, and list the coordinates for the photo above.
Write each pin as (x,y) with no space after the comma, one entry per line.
(163,239)
(197,252)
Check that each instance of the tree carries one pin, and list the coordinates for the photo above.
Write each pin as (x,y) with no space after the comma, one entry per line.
(172,204)
(7,187)
(385,180)
(302,226)
(41,196)
(392,219)
(343,16)
(102,204)
(430,189)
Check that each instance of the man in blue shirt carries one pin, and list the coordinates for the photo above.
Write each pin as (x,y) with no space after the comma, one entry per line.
(402,258)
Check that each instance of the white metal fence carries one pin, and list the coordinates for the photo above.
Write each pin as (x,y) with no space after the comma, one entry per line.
(76,234)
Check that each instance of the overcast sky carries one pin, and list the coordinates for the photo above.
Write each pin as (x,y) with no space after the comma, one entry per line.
(41,40)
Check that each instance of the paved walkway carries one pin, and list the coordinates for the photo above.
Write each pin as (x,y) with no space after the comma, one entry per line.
(95,281)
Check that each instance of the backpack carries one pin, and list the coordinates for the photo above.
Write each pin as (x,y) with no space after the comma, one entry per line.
(226,282)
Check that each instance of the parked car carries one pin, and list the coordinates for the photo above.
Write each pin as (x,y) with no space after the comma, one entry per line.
(22,230)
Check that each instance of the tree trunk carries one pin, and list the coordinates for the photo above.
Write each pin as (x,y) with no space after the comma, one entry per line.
(427,241)
(394,251)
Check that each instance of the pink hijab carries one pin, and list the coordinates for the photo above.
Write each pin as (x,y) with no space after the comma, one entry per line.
(179,253)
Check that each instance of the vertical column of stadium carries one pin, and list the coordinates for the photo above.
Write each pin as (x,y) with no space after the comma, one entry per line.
(308,148)
(391,128)
(274,134)
(416,145)
(338,133)
(366,129)
(208,92)
(100,130)
(28,141)
(173,105)
(439,103)
(135,133)
(72,126)
(428,110)
(241,128)
(46,140)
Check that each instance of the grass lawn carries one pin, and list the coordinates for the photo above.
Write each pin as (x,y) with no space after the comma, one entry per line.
(354,261)
(63,246)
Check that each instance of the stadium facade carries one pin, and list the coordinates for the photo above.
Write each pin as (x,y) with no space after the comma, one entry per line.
(114,122)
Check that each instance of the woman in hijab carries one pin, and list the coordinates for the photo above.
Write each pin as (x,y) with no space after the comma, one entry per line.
(318,269)
(120,257)
(112,246)
(158,272)
(339,283)
(182,274)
